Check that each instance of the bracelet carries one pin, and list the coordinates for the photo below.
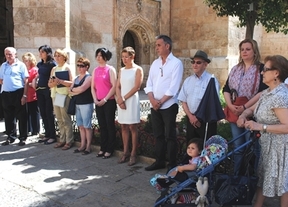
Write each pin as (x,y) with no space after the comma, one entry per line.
(244,107)
(24,96)
(264,128)
(124,99)
(105,100)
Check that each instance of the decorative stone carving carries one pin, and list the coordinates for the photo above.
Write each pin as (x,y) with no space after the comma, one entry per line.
(139,5)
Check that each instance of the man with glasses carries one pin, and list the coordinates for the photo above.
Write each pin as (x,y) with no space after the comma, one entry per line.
(191,94)
(162,87)
(14,79)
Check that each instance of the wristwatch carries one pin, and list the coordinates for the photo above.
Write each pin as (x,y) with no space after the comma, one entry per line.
(264,128)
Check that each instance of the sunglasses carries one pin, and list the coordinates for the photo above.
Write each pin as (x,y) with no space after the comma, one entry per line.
(265,69)
(197,62)
(81,66)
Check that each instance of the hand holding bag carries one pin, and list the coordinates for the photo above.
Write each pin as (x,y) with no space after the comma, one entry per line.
(72,104)
(238,101)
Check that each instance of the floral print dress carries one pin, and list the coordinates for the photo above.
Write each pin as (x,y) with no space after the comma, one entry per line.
(273,164)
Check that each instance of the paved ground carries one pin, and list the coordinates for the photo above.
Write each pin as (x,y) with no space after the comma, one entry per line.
(37,175)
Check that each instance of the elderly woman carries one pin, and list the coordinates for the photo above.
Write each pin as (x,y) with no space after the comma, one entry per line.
(32,109)
(60,82)
(81,92)
(271,113)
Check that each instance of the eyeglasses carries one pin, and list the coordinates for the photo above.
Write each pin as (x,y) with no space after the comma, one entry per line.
(81,66)
(197,62)
(265,69)
(161,71)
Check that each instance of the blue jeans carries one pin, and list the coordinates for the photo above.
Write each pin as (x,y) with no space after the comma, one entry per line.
(238,155)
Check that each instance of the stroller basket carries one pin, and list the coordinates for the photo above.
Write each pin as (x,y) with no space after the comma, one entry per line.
(208,170)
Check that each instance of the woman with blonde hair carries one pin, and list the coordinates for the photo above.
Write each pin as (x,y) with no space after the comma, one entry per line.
(59,92)
(32,109)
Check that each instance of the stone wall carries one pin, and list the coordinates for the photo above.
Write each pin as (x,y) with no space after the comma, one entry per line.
(82,26)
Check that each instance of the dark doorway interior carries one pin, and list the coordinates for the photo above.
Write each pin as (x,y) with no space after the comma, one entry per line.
(6,26)
(129,40)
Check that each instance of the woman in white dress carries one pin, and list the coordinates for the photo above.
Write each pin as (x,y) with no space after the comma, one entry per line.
(128,84)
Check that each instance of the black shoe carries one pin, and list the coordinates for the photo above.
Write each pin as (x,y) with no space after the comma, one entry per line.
(155,166)
(164,182)
(5,143)
(21,143)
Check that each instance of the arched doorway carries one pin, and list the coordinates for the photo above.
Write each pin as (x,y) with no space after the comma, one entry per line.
(130,39)
(6,26)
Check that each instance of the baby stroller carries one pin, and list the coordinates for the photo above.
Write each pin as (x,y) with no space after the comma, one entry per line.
(224,188)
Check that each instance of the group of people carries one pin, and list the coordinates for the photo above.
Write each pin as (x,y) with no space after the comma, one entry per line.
(265,110)
(262,85)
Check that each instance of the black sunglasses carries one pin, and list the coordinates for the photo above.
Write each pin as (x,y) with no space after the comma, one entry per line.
(265,69)
(197,62)
(81,66)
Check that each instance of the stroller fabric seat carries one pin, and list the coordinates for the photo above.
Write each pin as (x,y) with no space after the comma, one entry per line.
(215,148)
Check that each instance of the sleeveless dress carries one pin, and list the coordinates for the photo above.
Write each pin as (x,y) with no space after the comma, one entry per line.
(131,115)
(273,163)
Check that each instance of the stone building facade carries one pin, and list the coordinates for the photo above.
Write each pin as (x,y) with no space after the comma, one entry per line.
(82,26)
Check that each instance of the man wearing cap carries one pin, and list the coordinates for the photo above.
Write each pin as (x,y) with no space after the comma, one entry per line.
(14,79)
(162,87)
(191,94)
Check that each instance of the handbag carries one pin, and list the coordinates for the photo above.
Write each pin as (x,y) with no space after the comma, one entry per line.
(230,116)
(238,101)
(72,106)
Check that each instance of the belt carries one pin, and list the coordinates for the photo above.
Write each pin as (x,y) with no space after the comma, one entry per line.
(39,88)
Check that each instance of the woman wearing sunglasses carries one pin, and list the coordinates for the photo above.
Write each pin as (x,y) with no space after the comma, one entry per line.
(271,115)
(81,91)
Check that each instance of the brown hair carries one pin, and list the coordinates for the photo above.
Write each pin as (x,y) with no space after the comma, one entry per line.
(85,61)
(280,63)
(129,50)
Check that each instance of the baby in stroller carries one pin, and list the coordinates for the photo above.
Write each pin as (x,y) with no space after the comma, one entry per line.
(215,148)
(184,171)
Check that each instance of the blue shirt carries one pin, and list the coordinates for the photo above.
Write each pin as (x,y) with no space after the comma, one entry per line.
(44,70)
(13,76)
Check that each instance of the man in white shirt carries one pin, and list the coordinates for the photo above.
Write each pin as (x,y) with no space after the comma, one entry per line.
(191,95)
(162,87)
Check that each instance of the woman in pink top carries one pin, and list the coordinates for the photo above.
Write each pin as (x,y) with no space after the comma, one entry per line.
(103,90)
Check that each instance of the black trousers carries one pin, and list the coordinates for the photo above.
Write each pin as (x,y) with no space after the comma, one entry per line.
(46,111)
(33,117)
(106,119)
(164,130)
(13,109)
(193,132)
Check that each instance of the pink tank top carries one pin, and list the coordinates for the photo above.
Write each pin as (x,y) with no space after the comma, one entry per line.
(102,82)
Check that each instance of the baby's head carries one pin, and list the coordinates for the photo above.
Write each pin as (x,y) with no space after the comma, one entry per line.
(195,147)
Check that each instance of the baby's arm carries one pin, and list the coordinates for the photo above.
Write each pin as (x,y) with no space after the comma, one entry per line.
(188,167)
